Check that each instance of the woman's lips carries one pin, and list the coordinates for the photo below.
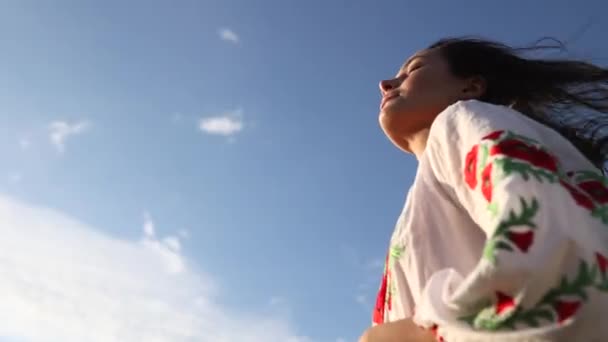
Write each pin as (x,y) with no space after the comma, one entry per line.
(387,98)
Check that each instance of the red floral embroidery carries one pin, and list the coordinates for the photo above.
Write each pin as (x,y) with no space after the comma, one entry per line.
(470,167)
(389,298)
(378,316)
(520,150)
(504,302)
(434,329)
(493,136)
(522,240)
(435,333)
(566,310)
(596,189)
(602,263)
(579,197)
(379,309)
(486,182)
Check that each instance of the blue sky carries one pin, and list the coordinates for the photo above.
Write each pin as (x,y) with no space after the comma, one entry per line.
(215,160)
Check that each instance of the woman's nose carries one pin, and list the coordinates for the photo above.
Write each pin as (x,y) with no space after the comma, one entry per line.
(386,85)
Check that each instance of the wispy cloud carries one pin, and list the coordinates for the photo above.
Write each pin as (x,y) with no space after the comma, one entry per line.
(167,249)
(370,271)
(368,286)
(183,233)
(63,280)
(374,264)
(172,242)
(227,124)
(228,35)
(60,131)
(149,229)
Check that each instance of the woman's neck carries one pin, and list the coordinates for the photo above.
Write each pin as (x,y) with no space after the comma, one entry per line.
(416,142)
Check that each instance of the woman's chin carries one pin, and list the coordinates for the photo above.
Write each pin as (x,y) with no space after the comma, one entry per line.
(386,116)
(391,120)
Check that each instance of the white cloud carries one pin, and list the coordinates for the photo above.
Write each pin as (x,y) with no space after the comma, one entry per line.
(167,249)
(65,281)
(228,35)
(60,131)
(183,233)
(227,124)
(340,339)
(149,231)
(173,243)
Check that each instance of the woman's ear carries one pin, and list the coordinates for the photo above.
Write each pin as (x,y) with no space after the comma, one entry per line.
(474,88)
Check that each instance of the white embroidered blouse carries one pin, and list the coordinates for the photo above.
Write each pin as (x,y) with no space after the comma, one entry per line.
(504,234)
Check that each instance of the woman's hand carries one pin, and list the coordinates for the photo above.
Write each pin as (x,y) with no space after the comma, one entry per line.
(399,331)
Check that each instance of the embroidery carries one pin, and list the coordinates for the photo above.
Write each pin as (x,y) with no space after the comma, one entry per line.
(511,154)
(384,299)
(510,233)
(558,305)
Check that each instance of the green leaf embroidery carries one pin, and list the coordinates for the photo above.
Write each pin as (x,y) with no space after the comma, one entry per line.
(601,212)
(493,209)
(489,251)
(586,175)
(533,317)
(603,287)
(500,239)
(484,156)
(504,245)
(505,239)
(487,319)
(545,310)
(396,251)
(525,169)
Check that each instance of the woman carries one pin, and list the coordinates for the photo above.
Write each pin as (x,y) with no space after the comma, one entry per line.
(504,235)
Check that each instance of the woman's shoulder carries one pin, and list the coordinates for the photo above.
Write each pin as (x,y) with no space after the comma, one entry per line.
(475,115)
(465,124)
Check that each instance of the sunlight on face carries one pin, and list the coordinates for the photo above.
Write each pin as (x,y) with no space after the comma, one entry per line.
(422,88)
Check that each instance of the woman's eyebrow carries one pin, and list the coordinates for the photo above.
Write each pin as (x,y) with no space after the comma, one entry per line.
(409,61)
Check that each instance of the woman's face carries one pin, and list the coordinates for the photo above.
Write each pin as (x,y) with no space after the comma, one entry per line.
(422,89)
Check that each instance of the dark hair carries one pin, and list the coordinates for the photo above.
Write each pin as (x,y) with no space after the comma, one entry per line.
(546,90)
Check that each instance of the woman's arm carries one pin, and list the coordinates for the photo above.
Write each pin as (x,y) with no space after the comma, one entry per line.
(545,256)
(404,330)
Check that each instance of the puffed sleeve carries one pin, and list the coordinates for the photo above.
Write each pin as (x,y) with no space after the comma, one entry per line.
(544,258)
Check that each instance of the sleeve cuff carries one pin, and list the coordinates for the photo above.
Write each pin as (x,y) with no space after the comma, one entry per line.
(436,312)
(433,308)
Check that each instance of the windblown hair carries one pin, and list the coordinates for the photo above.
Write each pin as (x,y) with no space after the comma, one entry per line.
(570,96)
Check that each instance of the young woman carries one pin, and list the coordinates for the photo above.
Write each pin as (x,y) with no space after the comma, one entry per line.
(504,234)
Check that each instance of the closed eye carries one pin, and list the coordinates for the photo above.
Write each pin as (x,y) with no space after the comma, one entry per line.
(404,74)
(414,68)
